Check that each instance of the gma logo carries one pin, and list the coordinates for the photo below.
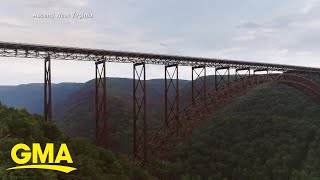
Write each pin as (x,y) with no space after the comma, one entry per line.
(39,158)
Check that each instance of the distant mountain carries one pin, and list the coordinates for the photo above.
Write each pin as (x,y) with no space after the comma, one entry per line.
(30,96)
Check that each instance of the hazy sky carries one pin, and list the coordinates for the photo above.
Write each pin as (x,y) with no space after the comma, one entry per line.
(277,31)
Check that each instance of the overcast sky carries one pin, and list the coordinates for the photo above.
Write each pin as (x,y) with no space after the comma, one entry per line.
(275,31)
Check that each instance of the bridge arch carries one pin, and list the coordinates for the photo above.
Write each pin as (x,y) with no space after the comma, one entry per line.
(167,137)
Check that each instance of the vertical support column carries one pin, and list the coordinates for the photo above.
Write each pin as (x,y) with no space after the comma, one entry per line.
(140,125)
(172,94)
(101,117)
(47,89)
(241,76)
(199,80)
(222,78)
(310,76)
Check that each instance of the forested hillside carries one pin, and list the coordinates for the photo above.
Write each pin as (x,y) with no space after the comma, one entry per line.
(18,126)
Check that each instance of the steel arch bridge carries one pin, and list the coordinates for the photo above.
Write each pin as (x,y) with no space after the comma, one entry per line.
(168,136)
(177,123)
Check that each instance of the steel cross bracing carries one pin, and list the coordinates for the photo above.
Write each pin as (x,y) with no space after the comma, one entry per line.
(199,82)
(47,89)
(222,79)
(172,96)
(83,54)
(101,116)
(246,73)
(140,126)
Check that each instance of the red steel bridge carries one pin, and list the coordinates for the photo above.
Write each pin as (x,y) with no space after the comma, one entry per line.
(178,123)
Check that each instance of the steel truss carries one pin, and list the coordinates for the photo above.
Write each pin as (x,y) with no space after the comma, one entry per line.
(47,89)
(85,54)
(140,126)
(199,82)
(222,79)
(101,117)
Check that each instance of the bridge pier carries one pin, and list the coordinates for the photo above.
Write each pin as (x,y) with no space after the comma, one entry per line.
(47,89)
(200,77)
(222,78)
(140,126)
(172,92)
(101,116)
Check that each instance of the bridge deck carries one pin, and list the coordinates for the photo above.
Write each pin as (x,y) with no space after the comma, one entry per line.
(72,53)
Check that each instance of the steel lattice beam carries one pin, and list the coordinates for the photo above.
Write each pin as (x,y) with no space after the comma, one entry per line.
(140,126)
(47,89)
(101,117)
